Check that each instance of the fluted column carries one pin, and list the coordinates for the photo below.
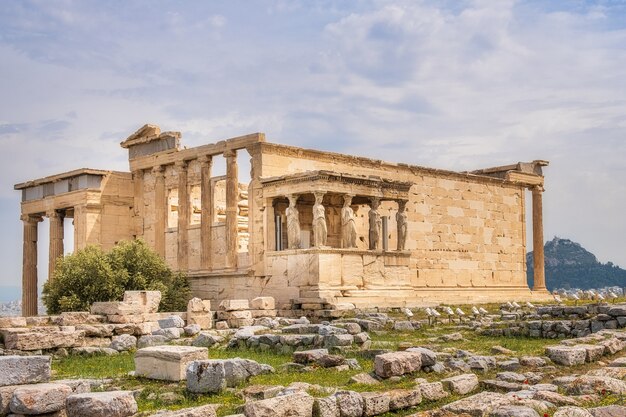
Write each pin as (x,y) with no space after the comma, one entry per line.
(159,210)
(56,240)
(183,216)
(29,266)
(232,200)
(539,277)
(206,213)
(138,203)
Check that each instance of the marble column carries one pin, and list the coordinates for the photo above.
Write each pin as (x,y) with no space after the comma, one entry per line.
(206,213)
(138,203)
(539,277)
(232,209)
(56,240)
(160,205)
(29,266)
(183,216)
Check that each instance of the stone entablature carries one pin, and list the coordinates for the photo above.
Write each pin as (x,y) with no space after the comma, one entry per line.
(329,181)
(459,235)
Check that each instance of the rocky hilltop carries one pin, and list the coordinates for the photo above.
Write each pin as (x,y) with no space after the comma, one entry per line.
(569,265)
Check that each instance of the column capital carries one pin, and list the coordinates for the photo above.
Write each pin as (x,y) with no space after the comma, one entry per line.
(159,169)
(293,199)
(537,188)
(229,153)
(205,159)
(182,164)
(31,218)
(89,207)
(55,214)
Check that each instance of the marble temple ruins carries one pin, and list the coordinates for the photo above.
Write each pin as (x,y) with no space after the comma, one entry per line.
(309,225)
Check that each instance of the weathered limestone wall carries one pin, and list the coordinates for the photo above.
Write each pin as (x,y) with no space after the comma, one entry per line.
(115,219)
(465,231)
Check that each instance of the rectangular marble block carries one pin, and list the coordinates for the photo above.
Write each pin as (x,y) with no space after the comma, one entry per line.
(167,363)
(17,370)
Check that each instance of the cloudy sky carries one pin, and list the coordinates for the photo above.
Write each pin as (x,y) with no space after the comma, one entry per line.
(457,85)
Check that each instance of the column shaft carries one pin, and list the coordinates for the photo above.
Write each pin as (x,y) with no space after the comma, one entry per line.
(159,210)
(56,240)
(232,209)
(29,267)
(206,213)
(539,278)
(138,203)
(183,216)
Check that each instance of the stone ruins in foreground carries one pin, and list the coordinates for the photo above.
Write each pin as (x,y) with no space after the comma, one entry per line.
(311,228)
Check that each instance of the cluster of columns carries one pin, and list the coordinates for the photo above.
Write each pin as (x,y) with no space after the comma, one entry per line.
(29,255)
(348,223)
(206,216)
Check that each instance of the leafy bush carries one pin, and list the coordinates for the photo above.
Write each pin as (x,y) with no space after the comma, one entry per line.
(91,275)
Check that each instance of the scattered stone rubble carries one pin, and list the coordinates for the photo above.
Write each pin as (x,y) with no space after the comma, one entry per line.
(177,348)
(560,321)
(25,389)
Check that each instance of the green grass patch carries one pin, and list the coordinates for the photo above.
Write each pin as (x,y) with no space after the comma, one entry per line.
(93,366)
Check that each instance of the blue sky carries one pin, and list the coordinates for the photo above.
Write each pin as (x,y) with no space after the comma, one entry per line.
(457,85)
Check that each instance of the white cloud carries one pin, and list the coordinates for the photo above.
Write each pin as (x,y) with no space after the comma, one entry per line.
(458,85)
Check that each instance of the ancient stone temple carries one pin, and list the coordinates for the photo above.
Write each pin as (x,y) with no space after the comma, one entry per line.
(309,225)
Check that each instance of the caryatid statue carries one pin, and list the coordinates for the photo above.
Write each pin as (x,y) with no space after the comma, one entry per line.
(402,223)
(375,224)
(348,223)
(293,223)
(320,230)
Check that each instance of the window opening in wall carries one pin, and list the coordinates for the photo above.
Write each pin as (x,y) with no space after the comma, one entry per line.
(219,199)
(68,232)
(172,208)
(528,232)
(196,204)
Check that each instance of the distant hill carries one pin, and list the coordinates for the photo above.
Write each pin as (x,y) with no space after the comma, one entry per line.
(569,265)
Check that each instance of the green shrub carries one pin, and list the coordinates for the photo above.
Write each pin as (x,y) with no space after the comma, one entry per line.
(91,275)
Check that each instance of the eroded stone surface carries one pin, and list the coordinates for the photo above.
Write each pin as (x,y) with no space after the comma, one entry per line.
(167,362)
(397,363)
(210,376)
(299,404)
(478,405)
(350,403)
(461,384)
(566,355)
(514,411)
(101,404)
(16,370)
(202,411)
(572,412)
(39,398)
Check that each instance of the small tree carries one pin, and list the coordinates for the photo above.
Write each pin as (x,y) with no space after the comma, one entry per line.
(91,275)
